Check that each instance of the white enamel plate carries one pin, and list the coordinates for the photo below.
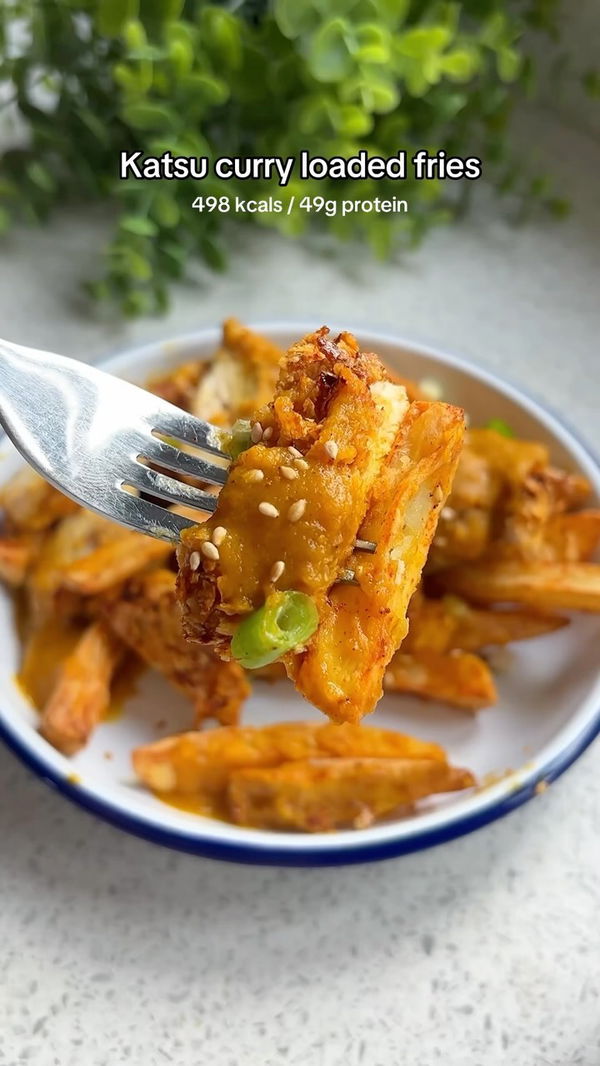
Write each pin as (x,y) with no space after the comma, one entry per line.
(549,698)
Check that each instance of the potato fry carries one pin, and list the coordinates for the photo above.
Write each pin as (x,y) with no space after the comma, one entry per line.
(511,460)
(571,586)
(31,504)
(17,554)
(240,378)
(81,696)
(319,795)
(461,535)
(147,617)
(458,678)
(342,669)
(73,538)
(571,538)
(178,386)
(199,764)
(46,648)
(451,623)
(114,562)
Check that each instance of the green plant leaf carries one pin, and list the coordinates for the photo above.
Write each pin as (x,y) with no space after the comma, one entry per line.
(138,225)
(509,64)
(111,15)
(461,64)
(422,41)
(143,116)
(329,57)
(222,34)
(165,210)
(204,89)
(353,121)
(373,44)
(295,17)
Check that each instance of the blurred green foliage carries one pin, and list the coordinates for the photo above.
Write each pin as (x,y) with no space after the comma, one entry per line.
(261,77)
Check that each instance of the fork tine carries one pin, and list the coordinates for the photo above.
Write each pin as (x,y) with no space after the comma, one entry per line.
(168,488)
(150,518)
(163,454)
(172,422)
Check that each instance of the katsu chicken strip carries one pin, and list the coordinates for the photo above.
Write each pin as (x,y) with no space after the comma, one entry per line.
(298,496)
(147,617)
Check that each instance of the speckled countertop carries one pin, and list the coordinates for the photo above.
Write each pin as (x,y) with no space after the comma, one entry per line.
(482,952)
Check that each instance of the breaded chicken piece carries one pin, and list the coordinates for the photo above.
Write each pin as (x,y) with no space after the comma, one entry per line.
(147,617)
(339,453)
(288,498)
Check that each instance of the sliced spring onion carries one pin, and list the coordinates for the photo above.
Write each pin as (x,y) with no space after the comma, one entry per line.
(238,439)
(500,426)
(285,620)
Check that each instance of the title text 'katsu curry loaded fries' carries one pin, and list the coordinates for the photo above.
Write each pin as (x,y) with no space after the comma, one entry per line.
(362,542)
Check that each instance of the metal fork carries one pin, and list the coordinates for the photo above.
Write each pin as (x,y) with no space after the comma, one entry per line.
(93,436)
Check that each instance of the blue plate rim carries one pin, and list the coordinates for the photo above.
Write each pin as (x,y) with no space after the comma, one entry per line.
(341,855)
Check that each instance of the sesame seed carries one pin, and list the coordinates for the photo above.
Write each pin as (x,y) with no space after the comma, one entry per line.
(288,472)
(256,433)
(448,513)
(296,510)
(331,448)
(255,475)
(302,464)
(388,678)
(267,433)
(277,570)
(194,560)
(438,494)
(299,649)
(210,550)
(294,451)
(268,509)
(219,534)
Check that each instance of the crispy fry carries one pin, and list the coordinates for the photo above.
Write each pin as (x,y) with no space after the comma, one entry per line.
(319,795)
(45,649)
(240,378)
(199,764)
(31,504)
(509,459)
(114,562)
(75,537)
(147,616)
(81,696)
(449,623)
(571,586)
(342,669)
(179,385)
(458,678)
(17,554)
(571,538)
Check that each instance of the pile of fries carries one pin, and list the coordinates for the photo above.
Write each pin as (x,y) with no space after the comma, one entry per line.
(93,599)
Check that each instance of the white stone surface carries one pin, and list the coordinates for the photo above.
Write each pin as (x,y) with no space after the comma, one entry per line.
(482,952)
